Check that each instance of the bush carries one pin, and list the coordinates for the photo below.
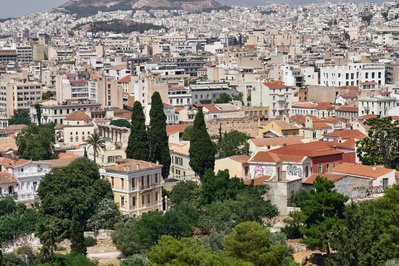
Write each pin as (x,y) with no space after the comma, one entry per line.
(90,241)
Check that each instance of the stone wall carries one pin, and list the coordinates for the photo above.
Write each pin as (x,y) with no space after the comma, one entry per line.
(246,125)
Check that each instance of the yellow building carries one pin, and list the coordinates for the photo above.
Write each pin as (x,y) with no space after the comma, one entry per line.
(277,128)
(137,186)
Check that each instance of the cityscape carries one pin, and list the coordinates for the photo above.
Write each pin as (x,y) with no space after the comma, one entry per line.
(199,132)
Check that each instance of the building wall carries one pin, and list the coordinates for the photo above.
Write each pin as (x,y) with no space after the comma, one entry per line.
(327,162)
(236,169)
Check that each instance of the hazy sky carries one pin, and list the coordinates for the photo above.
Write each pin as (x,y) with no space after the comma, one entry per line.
(15,8)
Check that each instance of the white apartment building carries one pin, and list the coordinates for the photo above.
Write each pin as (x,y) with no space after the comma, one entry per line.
(352,74)
(206,93)
(378,105)
(179,96)
(292,76)
(76,128)
(275,95)
(52,112)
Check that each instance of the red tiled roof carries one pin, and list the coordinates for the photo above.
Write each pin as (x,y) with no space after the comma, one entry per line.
(125,79)
(324,106)
(352,109)
(333,177)
(368,116)
(240,158)
(277,84)
(312,149)
(7,178)
(210,107)
(304,105)
(346,134)
(21,162)
(78,116)
(271,157)
(361,170)
(343,144)
(257,181)
(171,129)
(320,125)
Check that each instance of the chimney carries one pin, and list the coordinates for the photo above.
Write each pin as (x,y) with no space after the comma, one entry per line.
(157,162)
(126,169)
(138,166)
(374,167)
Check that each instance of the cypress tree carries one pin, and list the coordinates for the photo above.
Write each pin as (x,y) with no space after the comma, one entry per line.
(159,142)
(138,144)
(202,150)
(77,236)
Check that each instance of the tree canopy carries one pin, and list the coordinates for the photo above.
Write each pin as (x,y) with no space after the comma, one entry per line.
(232,143)
(72,196)
(223,98)
(36,142)
(20,117)
(120,123)
(202,150)
(138,145)
(381,146)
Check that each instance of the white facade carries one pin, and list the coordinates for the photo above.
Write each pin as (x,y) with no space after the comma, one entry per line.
(276,96)
(378,105)
(352,74)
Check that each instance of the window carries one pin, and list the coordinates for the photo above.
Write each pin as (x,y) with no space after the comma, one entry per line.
(122,201)
(142,200)
(320,168)
(122,183)
(148,198)
(112,181)
(133,184)
(156,178)
(156,196)
(134,202)
(148,180)
(384,182)
(142,182)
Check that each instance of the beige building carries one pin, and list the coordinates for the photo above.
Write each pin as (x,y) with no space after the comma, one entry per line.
(77,127)
(237,166)
(137,186)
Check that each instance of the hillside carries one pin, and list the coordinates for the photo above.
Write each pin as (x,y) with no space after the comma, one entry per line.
(117,26)
(90,7)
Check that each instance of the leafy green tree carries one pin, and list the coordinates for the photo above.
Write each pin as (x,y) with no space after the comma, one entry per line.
(36,142)
(13,259)
(7,206)
(187,133)
(138,145)
(186,191)
(233,143)
(159,142)
(136,236)
(120,123)
(97,143)
(321,210)
(21,117)
(223,98)
(293,224)
(72,196)
(136,260)
(202,150)
(381,146)
(47,95)
(106,216)
(253,243)
(188,251)
(17,222)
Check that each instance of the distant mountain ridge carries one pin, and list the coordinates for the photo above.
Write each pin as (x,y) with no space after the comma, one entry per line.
(91,7)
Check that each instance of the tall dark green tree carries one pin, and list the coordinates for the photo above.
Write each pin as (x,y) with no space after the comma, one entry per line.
(138,145)
(159,142)
(202,150)
(20,117)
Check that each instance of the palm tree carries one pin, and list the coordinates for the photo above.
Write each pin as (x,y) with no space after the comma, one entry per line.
(96,142)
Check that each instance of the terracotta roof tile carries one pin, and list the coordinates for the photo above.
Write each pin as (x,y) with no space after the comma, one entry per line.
(333,177)
(125,79)
(277,84)
(7,178)
(240,158)
(257,181)
(346,134)
(361,170)
(78,116)
(171,129)
(132,166)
